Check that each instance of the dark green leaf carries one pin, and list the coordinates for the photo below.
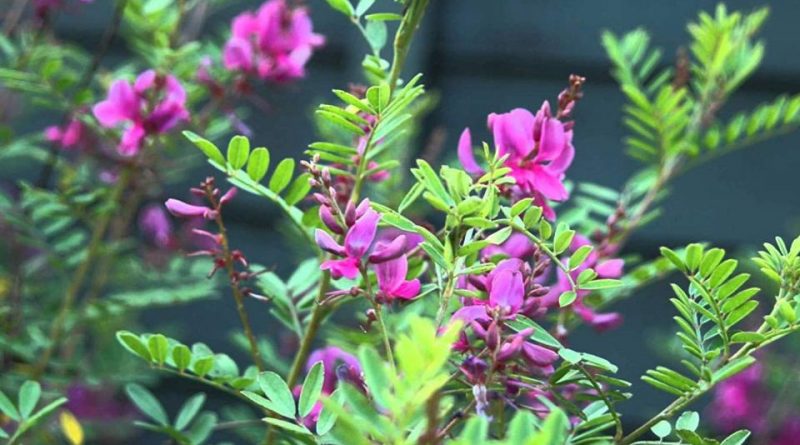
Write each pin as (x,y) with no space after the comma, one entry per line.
(147,403)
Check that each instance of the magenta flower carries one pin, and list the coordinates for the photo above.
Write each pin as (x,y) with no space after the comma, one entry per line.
(539,149)
(273,43)
(155,225)
(506,290)
(356,244)
(741,401)
(133,107)
(66,137)
(392,279)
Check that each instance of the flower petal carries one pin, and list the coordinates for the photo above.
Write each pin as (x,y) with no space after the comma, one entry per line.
(465,154)
(360,236)
(327,243)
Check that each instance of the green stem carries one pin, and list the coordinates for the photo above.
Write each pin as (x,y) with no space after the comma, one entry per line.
(317,315)
(378,308)
(402,40)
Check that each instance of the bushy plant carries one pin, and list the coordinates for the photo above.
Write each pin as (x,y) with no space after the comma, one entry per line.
(428,304)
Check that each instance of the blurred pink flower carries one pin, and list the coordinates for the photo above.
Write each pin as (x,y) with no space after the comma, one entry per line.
(140,115)
(273,43)
(155,225)
(67,136)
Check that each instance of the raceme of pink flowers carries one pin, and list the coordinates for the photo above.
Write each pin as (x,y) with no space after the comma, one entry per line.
(539,149)
(273,43)
(153,104)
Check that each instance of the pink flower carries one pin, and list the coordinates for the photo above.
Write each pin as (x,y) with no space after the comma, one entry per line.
(356,243)
(273,43)
(66,137)
(741,401)
(392,279)
(506,290)
(133,107)
(539,149)
(155,225)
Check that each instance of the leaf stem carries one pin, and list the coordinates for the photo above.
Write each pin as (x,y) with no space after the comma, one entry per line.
(317,315)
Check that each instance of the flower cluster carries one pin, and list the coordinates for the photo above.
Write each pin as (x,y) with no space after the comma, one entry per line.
(359,225)
(153,104)
(273,43)
(224,258)
(539,149)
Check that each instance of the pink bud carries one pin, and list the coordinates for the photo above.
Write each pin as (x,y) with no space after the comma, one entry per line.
(182,209)
(228,195)
(326,215)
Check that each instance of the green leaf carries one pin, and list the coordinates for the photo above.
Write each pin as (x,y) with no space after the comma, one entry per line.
(603,283)
(661,429)
(203,365)
(7,407)
(747,337)
(207,147)
(520,206)
(689,420)
(327,417)
(258,164)
(363,6)
(500,236)
(732,369)
(384,16)
(567,298)
(579,256)
(259,400)
(375,375)
(278,393)
(376,35)
(134,344)
(342,6)
(737,438)
(563,238)
(29,394)
(299,189)
(282,175)
(569,355)
(312,388)
(182,357)
(147,403)
(673,258)
(238,151)
(293,427)
(159,348)
(202,428)
(189,410)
